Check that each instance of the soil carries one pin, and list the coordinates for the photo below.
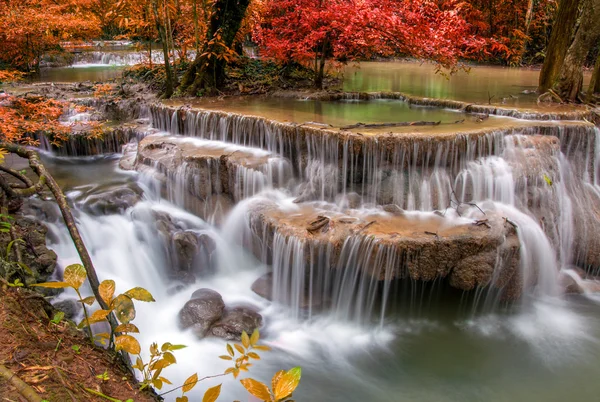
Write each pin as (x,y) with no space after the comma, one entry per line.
(57,360)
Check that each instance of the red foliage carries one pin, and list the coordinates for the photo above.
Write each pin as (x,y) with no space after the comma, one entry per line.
(309,30)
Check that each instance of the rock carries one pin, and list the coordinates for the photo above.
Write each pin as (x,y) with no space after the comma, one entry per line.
(263,286)
(70,307)
(186,246)
(203,309)
(569,285)
(112,201)
(393,209)
(421,246)
(235,320)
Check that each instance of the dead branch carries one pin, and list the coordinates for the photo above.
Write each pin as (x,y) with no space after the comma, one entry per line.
(399,124)
(511,223)
(24,389)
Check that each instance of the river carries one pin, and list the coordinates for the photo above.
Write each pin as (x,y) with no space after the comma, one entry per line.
(425,342)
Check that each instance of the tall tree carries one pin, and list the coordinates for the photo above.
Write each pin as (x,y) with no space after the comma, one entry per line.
(207,72)
(594,87)
(570,81)
(562,32)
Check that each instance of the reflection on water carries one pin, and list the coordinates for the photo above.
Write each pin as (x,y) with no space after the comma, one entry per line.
(88,72)
(482,82)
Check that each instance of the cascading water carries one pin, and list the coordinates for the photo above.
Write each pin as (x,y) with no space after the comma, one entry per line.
(328,295)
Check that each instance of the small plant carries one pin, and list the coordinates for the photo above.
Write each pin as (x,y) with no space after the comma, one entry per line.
(76,349)
(104,376)
(159,360)
(16,283)
(5,220)
(58,317)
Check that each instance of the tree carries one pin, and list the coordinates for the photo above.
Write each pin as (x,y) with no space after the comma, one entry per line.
(570,81)
(311,31)
(562,33)
(207,72)
(32,28)
(594,87)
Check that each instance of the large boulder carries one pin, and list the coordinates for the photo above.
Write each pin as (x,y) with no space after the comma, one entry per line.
(203,309)
(235,320)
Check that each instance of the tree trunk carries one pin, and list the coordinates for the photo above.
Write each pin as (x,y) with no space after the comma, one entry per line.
(207,72)
(570,82)
(594,87)
(165,45)
(562,31)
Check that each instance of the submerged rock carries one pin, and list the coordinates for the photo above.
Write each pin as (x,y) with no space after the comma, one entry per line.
(263,286)
(235,320)
(112,201)
(203,309)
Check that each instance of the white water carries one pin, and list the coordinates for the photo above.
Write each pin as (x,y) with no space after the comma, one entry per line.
(343,350)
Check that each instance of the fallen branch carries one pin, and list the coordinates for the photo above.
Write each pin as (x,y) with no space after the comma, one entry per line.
(45,179)
(400,124)
(22,388)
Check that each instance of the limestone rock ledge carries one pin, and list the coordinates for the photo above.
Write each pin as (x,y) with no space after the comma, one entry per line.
(205,168)
(386,246)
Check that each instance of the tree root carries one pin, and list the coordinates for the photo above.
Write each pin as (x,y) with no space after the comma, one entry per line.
(23,388)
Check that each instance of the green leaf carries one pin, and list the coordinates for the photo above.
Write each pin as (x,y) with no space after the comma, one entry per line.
(212,394)
(140,294)
(257,388)
(124,309)
(287,383)
(548,180)
(75,275)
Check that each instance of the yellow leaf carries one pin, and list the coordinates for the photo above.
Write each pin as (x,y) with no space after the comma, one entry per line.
(255,337)
(168,356)
(88,300)
(75,275)
(257,388)
(165,380)
(181,399)
(225,357)
(239,348)
(52,285)
(245,339)
(230,350)
(140,294)
(159,365)
(253,355)
(127,328)
(212,394)
(287,383)
(156,383)
(127,343)
(277,377)
(229,370)
(190,383)
(107,290)
(262,348)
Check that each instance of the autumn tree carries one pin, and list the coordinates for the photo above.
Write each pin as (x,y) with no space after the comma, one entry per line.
(31,28)
(312,31)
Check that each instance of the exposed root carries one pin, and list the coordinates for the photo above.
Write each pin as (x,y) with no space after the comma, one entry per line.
(24,389)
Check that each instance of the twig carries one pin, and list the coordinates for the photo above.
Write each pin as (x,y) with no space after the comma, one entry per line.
(192,383)
(511,223)
(24,389)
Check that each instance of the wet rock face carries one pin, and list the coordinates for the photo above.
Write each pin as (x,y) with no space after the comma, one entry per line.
(235,321)
(205,314)
(201,311)
(70,307)
(205,168)
(33,251)
(190,253)
(112,201)
(393,245)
